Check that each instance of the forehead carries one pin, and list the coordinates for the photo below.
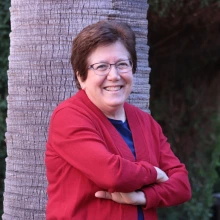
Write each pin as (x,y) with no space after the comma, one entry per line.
(109,53)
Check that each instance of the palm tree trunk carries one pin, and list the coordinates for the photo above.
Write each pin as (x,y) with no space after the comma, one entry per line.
(40,76)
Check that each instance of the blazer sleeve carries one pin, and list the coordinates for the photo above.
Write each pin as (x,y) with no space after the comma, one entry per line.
(75,139)
(174,191)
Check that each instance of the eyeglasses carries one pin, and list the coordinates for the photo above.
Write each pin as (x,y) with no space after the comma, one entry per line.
(102,69)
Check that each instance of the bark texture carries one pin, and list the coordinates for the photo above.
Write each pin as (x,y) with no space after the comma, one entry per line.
(40,76)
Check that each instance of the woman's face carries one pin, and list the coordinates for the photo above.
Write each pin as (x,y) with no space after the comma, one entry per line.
(108,92)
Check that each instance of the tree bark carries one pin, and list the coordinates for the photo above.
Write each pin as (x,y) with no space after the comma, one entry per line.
(40,77)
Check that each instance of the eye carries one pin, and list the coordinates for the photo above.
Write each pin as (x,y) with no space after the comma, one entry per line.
(123,64)
(101,66)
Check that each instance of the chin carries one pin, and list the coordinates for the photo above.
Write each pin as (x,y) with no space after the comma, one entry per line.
(116,104)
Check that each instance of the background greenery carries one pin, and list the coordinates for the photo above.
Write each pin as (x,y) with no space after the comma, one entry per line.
(4,48)
(184,57)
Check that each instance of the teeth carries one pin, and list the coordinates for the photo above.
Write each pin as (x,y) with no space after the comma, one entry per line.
(113,88)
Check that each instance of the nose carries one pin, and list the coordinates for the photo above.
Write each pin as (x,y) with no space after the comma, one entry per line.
(113,73)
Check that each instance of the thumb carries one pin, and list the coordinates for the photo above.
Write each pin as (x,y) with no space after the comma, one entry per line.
(103,195)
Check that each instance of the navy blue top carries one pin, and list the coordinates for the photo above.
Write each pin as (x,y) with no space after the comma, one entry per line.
(125,132)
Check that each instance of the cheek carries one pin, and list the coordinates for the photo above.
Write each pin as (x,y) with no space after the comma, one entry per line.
(131,84)
(93,83)
(130,79)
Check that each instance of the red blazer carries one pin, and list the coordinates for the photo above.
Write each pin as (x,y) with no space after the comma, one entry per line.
(85,154)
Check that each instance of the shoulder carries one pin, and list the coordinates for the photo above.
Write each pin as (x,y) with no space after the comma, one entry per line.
(78,109)
(77,102)
(63,107)
(70,108)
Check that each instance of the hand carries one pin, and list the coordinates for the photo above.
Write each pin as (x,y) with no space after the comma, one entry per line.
(131,198)
(161,175)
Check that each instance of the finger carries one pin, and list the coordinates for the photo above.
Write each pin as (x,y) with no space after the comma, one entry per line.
(103,195)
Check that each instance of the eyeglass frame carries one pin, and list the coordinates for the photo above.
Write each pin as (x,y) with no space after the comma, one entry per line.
(110,65)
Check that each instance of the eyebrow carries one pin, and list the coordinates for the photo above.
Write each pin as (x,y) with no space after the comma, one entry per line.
(104,61)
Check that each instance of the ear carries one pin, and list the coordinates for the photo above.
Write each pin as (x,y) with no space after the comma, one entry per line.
(80,80)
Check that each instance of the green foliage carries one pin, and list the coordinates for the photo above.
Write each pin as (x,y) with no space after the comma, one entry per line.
(4,48)
(184,58)
(164,7)
(203,177)
(201,163)
(195,139)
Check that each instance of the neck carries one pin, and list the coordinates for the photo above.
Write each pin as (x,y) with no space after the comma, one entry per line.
(117,115)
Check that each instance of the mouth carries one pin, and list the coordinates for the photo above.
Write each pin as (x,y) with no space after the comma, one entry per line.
(113,88)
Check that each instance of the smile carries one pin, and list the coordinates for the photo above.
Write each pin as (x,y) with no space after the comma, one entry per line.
(113,88)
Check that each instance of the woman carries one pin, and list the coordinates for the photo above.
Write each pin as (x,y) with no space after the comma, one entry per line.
(105,158)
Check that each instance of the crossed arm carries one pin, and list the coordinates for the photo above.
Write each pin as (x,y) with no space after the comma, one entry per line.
(131,198)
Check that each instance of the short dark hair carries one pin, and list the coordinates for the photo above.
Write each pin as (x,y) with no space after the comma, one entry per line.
(99,34)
